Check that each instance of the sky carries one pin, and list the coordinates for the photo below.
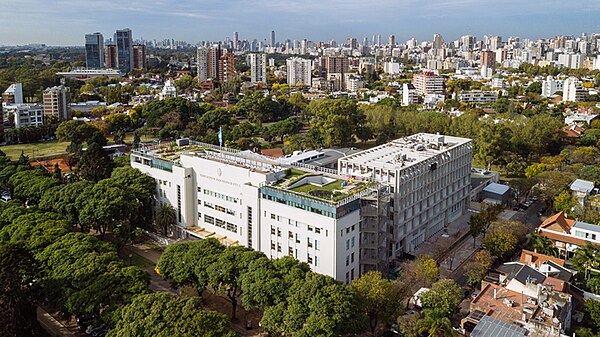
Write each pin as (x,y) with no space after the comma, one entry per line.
(65,22)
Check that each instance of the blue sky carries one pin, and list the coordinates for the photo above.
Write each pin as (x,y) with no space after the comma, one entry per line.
(64,22)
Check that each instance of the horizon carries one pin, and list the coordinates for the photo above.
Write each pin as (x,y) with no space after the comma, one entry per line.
(64,23)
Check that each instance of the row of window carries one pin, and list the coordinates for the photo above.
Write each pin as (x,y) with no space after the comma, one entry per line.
(220,196)
(218,208)
(310,259)
(585,235)
(220,223)
(310,243)
(297,224)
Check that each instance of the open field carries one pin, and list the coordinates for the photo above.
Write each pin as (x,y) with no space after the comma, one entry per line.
(35,150)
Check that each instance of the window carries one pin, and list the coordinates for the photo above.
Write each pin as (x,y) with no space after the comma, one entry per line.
(290,251)
(290,235)
(297,238)
(317,230)
(309,259)
(316,261)
(347,261)
(317,245)
(310,228)
(347,244)
(347,230)
(352,273)
(347,277)
(199,215)
(278,232)
(272,230)
(309,242)
(272,245)
(352,258)
(278,248)
(209,219)
(353,241)
(353,227)
(272,216)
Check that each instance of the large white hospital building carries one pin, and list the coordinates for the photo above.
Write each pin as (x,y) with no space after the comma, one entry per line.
(378,204)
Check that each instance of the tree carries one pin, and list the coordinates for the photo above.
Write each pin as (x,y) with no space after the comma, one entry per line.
(110,207)
(165,217)
(535,169)
(444,296)
(68,200)
(95,164)
(163,315)
(377,298)
(435,323)
(592,308)
(316,306)
(564,202)
(586,258)
(337,120)
(408,324)
(187,263)
(477,269)
(30,185)
(477,225)
(142,186)
(267,282)
(17,307)
(500,242)
(541,244)
(225,273)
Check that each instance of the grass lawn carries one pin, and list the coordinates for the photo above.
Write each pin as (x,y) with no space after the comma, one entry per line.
(334,186)
(35,150)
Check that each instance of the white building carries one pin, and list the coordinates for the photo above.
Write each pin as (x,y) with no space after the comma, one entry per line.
(391,68)
(571,60)
(550,86)
(299,71)
(56,102)
(478,96)
(429,180)
(354,82)
(168,90)
(258,68)
(409,94)
(13,94)
(22,115)
(335,220)
(573,90)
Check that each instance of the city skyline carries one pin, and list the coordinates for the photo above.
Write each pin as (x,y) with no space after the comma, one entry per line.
(64,22)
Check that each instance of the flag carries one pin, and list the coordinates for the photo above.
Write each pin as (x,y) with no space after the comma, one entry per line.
(220,134)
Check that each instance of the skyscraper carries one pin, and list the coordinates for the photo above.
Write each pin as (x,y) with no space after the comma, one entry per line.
(111,56)
(94,51)
(124,43)
(299,71)
(235,41)
(438,41)
(215,63)
(258,68)
(139,56)
(56,103)
(392,40)
(272,39)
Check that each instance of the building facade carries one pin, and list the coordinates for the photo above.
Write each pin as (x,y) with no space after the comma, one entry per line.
(299,71)
(23,115)
(56,103)
(428,83)
(215,63)
(94,51)
(124,42)
(139,57)
(341,222)
(111,56)
(258,68)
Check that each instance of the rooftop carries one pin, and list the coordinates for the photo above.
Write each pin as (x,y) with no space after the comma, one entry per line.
(405,152)
(580,185)
(496,188)
(491,327)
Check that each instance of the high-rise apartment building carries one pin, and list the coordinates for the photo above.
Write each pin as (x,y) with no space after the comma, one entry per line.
(428,83)
(379,203)
(56,103)
(124,42)
(488,60)
(272,39)
(299,71)
(353,43)
(392,41)
(94,51)
(139,56)
(438,41)
(258,68)
(215,63)
(235,41)
(13,94)
(111,56)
